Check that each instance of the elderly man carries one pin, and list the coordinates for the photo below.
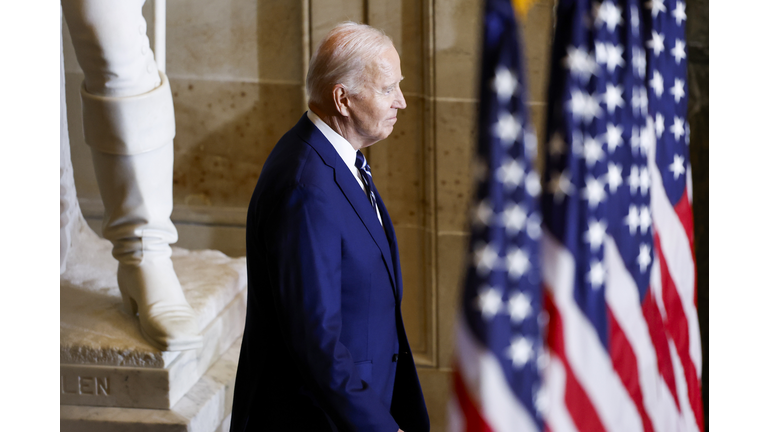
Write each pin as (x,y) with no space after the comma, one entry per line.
(324,347)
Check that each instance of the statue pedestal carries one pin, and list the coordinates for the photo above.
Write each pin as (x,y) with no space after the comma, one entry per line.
(111,378)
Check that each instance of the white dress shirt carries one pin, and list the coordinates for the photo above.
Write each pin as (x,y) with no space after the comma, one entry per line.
(346,152)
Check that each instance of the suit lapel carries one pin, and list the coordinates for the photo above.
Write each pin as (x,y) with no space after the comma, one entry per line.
(352,191)
(389,228)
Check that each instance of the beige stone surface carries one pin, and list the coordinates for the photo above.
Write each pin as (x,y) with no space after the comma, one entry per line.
(416,299)
(537,33)
(451,264)
(436,386)
(457,42)
(225,131)
(455,146)
(325,14)
(235,40)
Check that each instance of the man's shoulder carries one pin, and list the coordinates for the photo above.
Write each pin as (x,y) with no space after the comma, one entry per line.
(298,158)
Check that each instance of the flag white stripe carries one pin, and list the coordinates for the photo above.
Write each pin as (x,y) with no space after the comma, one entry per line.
(687,418)
(677,251)
(591,364)
(487,385)
(623,298)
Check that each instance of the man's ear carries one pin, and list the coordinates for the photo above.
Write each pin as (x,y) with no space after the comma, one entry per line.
(341,100)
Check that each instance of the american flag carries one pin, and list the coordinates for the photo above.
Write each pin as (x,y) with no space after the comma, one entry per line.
(617,246)
(497,385)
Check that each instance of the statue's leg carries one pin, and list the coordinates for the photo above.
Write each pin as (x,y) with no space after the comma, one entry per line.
(68,205)
(128,122)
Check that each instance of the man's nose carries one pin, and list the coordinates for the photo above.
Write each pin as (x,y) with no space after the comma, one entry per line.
(399,102)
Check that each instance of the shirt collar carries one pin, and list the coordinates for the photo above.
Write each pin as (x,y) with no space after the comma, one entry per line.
(342,146)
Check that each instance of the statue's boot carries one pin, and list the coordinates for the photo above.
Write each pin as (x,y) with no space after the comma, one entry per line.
(131,140)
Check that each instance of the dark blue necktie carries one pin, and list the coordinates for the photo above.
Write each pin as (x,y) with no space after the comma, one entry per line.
(365,170)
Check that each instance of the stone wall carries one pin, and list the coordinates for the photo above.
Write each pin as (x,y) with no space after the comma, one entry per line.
(237,69)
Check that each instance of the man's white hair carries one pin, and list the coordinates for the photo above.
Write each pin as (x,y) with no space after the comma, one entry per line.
(347,56)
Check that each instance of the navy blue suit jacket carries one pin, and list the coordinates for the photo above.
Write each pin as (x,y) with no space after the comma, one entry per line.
(324,347)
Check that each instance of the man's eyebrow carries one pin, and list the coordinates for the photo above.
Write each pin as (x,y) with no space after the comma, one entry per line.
(395,83)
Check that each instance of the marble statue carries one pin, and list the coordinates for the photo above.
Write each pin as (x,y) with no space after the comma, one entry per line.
(129,125)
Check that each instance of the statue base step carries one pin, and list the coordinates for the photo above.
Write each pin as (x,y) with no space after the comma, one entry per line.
(206,407)
(104,359)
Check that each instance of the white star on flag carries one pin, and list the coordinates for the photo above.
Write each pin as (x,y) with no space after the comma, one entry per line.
(488,302)
(660,126)
(678,166)
(647,137)
(613,136)
(533,184)
(656,6)
(679,13)
(632,219)
(596,274)
(520,351)
(593,192)
(613,97)
(483,213)
(580,63)
(613,57)
(645,219)
(595,234)
(517,262)
(678,128)
(584,106)
(644,257)
(613,177)
(644,180)
(508,128)
(593,151)
(533,228)
(639,100)
(601,54)
(657,83)
(678,90)
(678,51)
(519,307)
(560,185)
(511,173)
(514,218)
(485,258)
(656,43)
(504,84)
(609,14)
(638,61)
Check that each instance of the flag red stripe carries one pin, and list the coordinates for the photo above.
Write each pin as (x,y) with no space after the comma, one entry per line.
(625,365)
(659,340)
(676,325)
(685,214)
(577,401)
(473,420)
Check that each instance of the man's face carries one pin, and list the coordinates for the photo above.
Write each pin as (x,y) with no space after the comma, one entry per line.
(373,111)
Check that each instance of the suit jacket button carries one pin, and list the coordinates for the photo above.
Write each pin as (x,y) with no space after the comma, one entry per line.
(394,358)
